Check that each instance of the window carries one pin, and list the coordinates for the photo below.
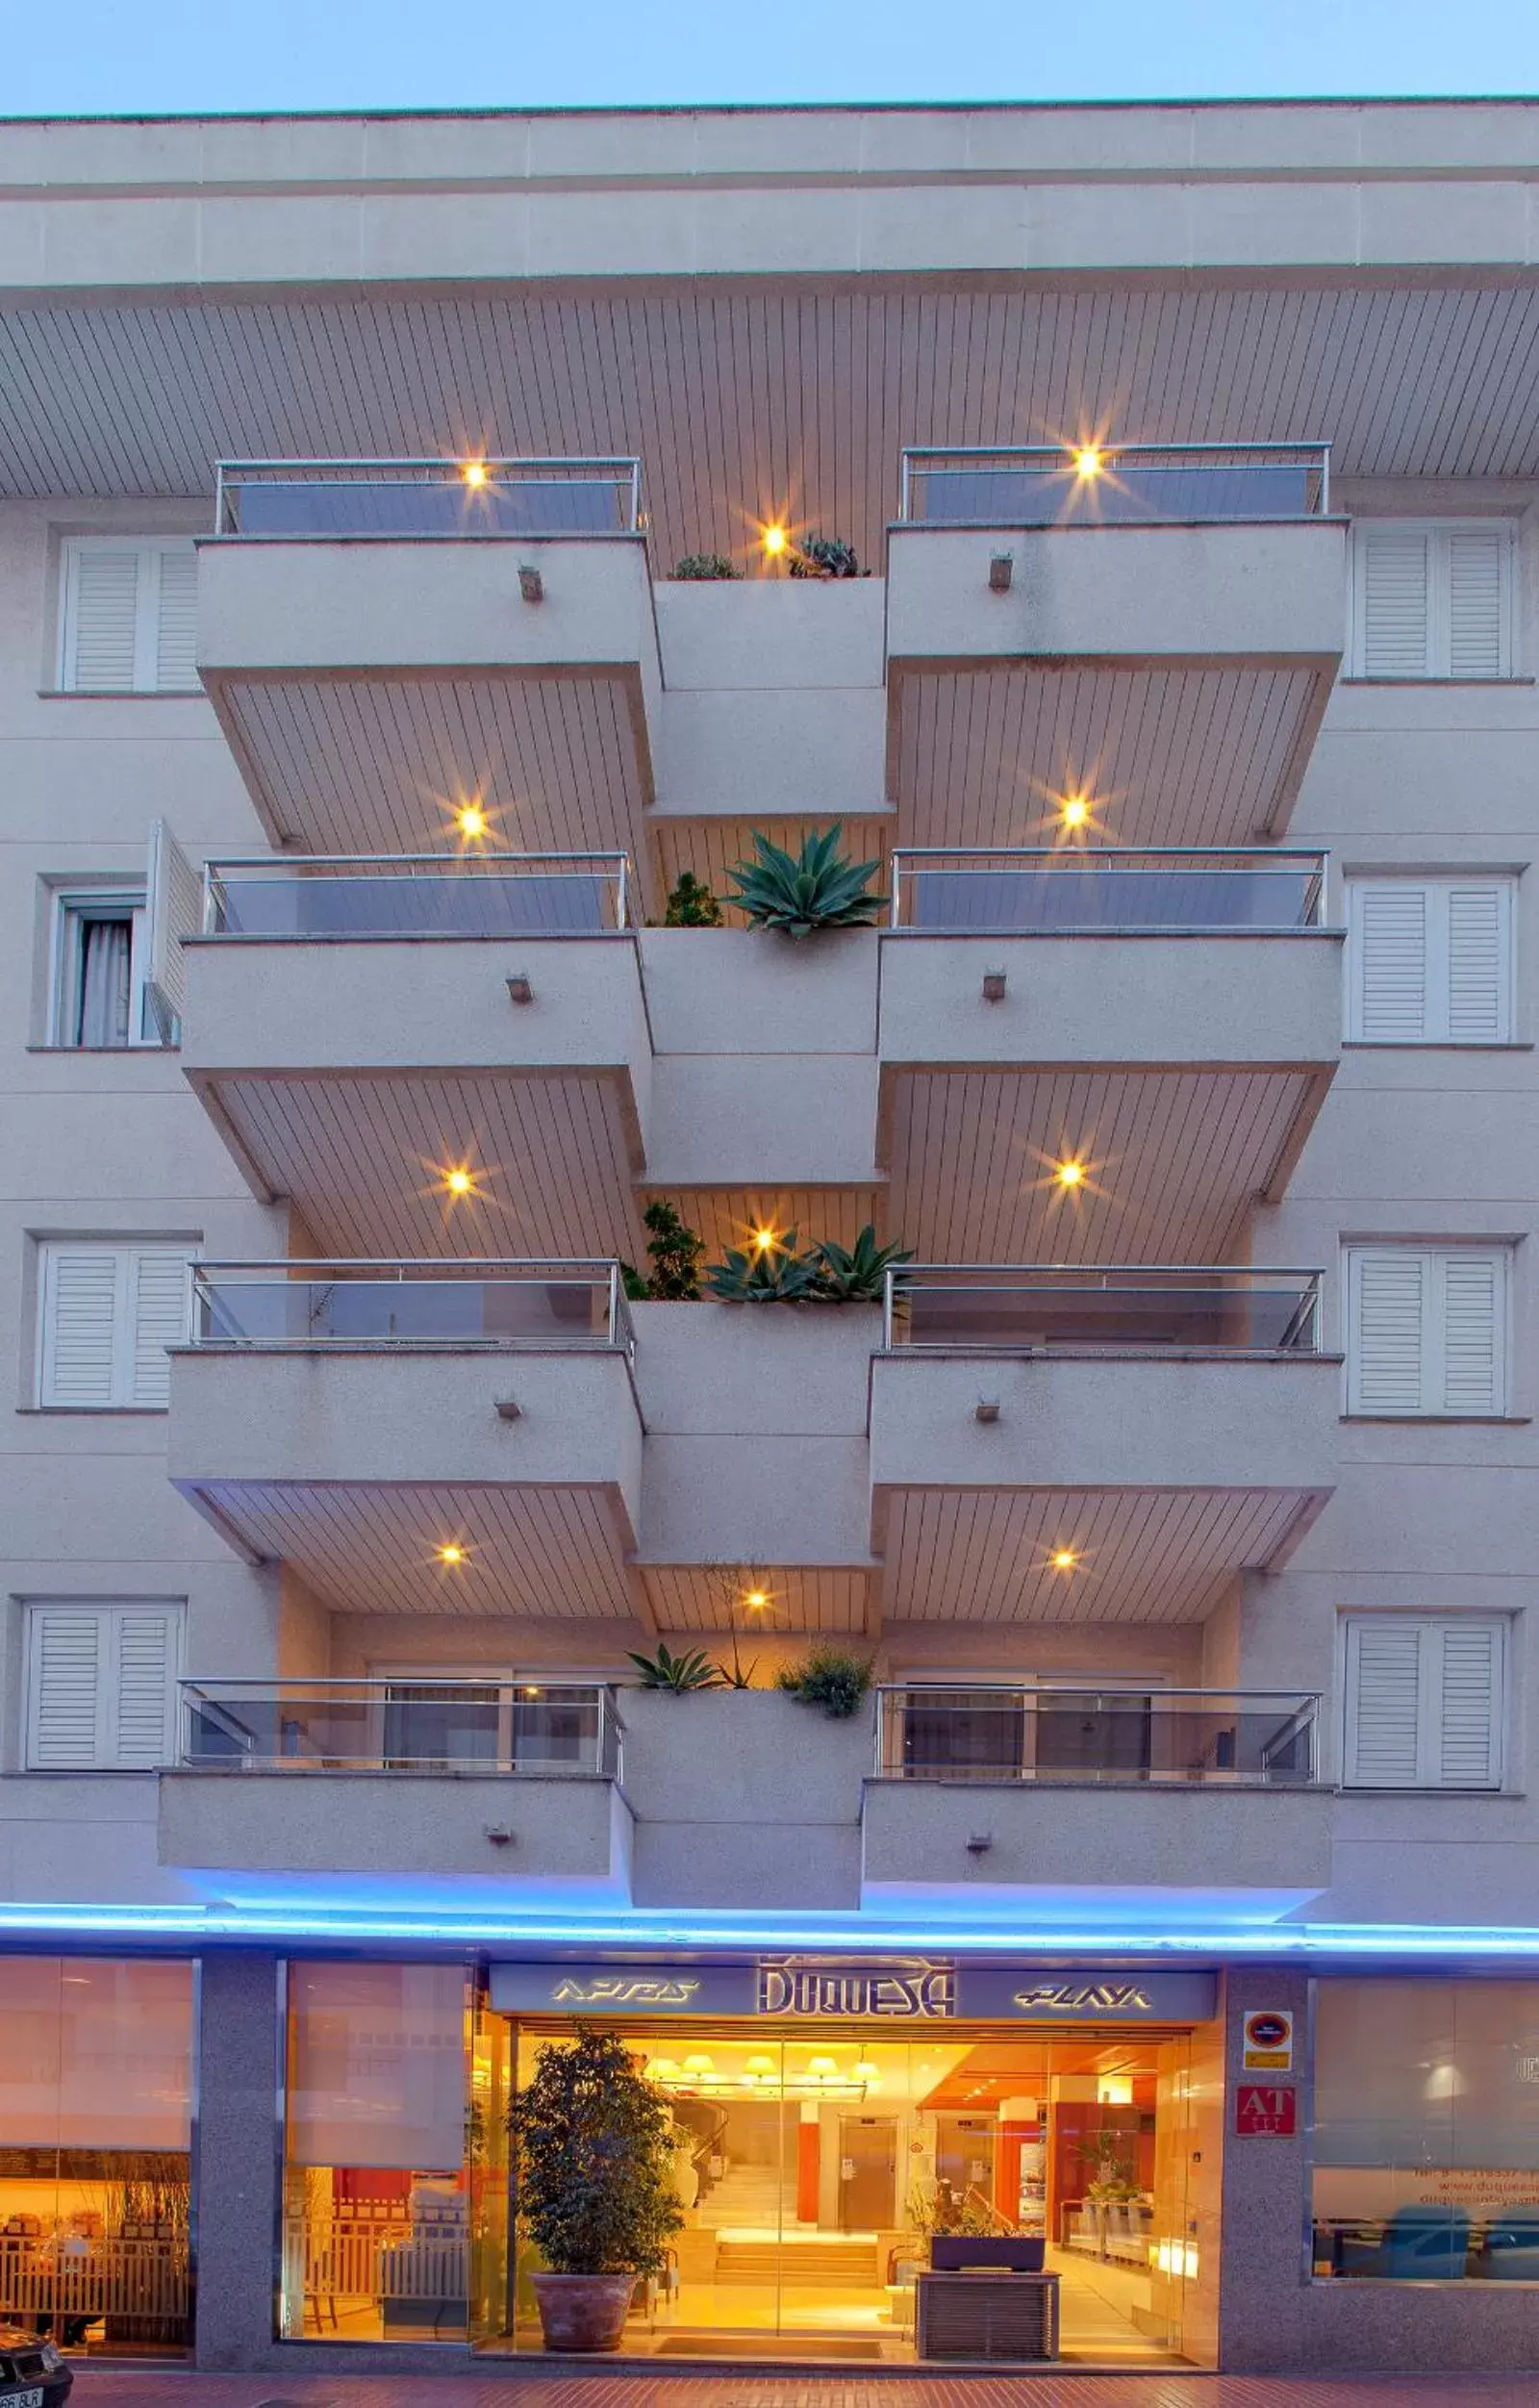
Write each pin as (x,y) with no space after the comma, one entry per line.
(1427,1330)
(106,1315)
(128,615)
(99,972)
(1426,2133)
(101,1687)
(1426,1700)
(1429,960)
(1432,598)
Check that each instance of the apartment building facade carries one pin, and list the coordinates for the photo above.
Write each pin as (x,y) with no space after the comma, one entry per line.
(1171,1893)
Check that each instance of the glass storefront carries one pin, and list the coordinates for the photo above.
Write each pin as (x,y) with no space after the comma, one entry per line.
(378,2143)
(1427,2131)
(95,2142)
(812,2169)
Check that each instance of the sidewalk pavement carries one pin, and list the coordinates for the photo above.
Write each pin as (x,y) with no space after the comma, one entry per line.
(168,2387)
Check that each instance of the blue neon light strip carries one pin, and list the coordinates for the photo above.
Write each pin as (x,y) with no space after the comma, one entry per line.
(298,1920)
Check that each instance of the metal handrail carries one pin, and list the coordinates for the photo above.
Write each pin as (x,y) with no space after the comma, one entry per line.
(592,1271)
(277,868)
(215,1704)
(1123,860)
(900,1281)
(342,469)
(1298,1711)
(1111,455)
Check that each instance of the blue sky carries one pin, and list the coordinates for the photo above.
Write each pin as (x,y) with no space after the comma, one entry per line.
(134,56)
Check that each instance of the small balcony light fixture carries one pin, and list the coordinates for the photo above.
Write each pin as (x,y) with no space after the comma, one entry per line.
(763,1240)
(1088,460)
(979,1843)
(1075,810)
(508,1409)
(1063,1558)
(1070,1174)
(994,986)
(474,473)
(473,821)
(1001,568)
(498,1834)
(986,1409)
(776,540)
(458,1182)
(531,584)
(756,1600)
(451,1551)
(519,989)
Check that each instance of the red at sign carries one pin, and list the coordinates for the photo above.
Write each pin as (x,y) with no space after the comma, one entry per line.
(1265,2109)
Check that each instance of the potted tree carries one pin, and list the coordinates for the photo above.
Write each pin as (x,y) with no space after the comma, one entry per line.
(597,2191)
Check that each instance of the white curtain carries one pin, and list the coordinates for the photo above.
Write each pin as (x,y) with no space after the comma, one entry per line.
(105,955)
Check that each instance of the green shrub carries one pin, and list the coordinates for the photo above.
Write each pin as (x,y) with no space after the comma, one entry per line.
(667,1671)
(674,1251)
(857,1276)
(705,568)
(827,1677)
(824,556)
(691,905)
(763,1275)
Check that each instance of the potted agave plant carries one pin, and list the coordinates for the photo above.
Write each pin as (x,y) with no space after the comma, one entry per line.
(598,2190)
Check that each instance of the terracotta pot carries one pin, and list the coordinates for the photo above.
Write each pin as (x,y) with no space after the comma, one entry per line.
(582,2311)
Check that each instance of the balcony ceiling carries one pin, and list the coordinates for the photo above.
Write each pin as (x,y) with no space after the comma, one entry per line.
(551,1157)
(1149,1555)
(691,1597)
(1173,1160)
(749,399)
(377,764)
(539,1553)
(1171,756)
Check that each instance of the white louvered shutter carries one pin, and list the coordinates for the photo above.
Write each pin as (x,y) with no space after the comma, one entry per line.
(176,619)
(65,1652)
(175,910)
(1387,933)
(1471,1327)
(1477,601)
(101,621)
(1479,963)
(80,1319)
(1425,1702)
(101,1687)
(157,1315)
(1386,1337)
(1393,597)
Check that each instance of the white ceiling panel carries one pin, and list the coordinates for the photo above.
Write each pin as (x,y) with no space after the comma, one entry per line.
(378,764)
(749,399)
(364,1161)
(1166,1555)
(1176,757)
(546,1554)
(815,1598)
(1173,1161)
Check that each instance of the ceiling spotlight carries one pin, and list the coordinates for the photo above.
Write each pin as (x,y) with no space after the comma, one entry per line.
(1076,810)
(473,821)
(1070,1174)
(1063,1558)
(763,1241)
(1088,460)
(458,1181)
(449,1553)
(775,541)
(756,1600)
(474,473)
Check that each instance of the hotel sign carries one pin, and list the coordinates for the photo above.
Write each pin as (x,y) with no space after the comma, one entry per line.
(904,1989)
(894,1990)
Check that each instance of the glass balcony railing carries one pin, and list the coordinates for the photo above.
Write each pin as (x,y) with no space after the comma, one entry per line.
(1045,485)
(502,1724)
(562,1305)
(1074,891)
(416,894)
(953,1732)
(328,499)
(1042,1307)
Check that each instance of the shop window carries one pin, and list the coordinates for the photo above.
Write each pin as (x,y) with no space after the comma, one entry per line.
(376,2177)
(96,2165)
(1427,2131)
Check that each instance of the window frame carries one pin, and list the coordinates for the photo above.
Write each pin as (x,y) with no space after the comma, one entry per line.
(1351,1618)
(1505,882)
(72,908)
(146,612)
(114,1609)
(48,1250)
(1500,1250)
(1438,616)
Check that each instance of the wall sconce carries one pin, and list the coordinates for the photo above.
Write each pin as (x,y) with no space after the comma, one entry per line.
(979,1843)
(987,1408)
(994,986)
(498,1834)
(519,989)
(508,1409)
(1001,568)
(531,584)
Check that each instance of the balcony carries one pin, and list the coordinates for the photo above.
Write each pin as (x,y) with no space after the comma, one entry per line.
(1171,1018)
(506,1779)
(481,1011)
(1157,626)
(1128,1441)
(1229,1807)
(384,640)
(416,1438)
